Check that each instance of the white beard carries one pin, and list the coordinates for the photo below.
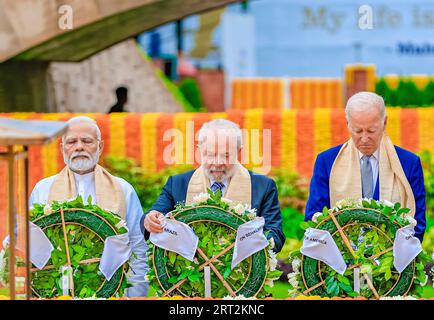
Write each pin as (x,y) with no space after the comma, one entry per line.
(81,165)
(226,176)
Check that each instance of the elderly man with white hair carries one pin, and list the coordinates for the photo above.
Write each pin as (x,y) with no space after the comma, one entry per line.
(220,141)
(81,147)
(368,165)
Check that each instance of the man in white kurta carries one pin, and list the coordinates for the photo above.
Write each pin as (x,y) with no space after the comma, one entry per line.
(85,186)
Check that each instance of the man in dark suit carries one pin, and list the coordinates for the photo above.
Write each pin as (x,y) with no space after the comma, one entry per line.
(368,165)
(219,143)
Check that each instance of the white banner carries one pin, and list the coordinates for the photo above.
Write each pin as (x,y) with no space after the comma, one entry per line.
(177,237)
(320,245)
(40,246)
(406,247)
(117,251)
(250,239)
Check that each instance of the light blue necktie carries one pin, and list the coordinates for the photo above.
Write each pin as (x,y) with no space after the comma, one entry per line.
(367,182)
(217,186)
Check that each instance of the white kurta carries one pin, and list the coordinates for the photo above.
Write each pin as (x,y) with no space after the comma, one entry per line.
(85,186)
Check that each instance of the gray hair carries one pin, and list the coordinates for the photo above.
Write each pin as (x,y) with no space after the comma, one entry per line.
(84,119)
(221,124)
(364,100)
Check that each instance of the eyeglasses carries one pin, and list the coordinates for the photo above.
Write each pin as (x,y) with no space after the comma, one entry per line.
(87,142)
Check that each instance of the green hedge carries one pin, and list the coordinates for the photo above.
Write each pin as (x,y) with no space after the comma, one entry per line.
(190,89)
(407,94)
(148,185)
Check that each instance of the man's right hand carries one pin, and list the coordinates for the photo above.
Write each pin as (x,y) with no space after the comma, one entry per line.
(152,222)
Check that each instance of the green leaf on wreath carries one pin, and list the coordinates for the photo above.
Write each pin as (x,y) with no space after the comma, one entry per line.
(403,211)
(343,279)
(172,257)
(346,287)
(195,276)
(366,204)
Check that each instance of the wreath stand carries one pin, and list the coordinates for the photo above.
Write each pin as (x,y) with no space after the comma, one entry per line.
(366,216)
(86,219)
(207,213)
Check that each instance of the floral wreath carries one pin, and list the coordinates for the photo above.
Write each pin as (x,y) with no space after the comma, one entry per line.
(86,227)
(214,220)
(370,227)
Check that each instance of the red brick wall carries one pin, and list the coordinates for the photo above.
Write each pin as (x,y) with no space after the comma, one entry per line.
(212,87)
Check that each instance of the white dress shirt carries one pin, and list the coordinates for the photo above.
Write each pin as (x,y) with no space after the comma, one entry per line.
(85,186)
(374,161)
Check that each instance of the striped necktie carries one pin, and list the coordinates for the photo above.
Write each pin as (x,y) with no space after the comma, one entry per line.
(367,182)
(217,186)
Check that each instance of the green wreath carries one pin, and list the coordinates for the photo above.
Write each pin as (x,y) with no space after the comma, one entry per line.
(370,227)
(86,226)
(215,222)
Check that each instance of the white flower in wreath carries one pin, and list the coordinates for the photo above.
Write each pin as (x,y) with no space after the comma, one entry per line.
(6,242)
(399,298)
(342,203)
(294,283)
(226,201)
(316,216)
(239,209)
(121,224)
(431,272)
(360,203)
(251,212)
(293,292)
(201,198)
(47,209)
(425,281)
(292,279)
(387,203)
(296,263)
(271,243)
(273,260)
(238,297)
(410,220)
(3,262)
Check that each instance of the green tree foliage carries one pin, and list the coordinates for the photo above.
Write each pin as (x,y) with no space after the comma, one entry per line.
(406,94)
(148,185)
(190,89)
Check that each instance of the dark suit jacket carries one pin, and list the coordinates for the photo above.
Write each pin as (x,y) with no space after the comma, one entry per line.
(264,199)
(319,196)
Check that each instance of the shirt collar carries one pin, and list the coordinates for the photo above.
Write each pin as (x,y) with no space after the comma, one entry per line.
(86,178)
(376,154)
(225,182)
